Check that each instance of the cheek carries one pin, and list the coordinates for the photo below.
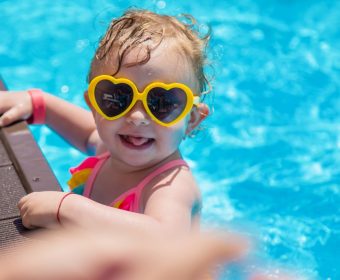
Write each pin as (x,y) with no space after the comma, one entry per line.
(174,135)
(105,127)
(100,124)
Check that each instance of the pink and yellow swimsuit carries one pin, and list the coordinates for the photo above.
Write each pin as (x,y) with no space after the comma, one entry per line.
(84,175)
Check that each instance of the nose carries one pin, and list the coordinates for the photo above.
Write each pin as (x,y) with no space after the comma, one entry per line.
(137,115)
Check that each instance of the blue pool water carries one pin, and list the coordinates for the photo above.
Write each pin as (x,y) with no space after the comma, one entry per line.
(269,159)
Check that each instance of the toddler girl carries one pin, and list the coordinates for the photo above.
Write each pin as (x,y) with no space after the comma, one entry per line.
(146,84)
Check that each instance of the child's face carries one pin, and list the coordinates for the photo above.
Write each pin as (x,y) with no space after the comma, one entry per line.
(135,138)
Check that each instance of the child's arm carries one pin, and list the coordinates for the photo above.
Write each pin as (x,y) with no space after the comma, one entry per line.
(169,205)
(73,123)
(168,208)
(39,209)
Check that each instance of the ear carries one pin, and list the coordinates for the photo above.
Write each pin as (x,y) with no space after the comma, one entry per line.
(87,100)
(197,115)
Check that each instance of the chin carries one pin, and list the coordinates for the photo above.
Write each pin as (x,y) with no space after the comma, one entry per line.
(142,163)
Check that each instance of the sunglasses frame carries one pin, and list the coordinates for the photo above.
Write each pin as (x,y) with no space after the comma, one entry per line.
(142,96)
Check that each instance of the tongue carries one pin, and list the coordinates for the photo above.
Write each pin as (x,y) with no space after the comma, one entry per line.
(137,141)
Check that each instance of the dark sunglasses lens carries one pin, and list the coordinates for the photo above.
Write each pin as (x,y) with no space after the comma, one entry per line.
(166,105)
(113,99)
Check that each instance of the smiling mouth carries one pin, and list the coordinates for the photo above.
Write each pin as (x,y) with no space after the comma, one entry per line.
(136,142)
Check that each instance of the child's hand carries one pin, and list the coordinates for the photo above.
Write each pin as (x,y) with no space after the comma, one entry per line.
(14,106)
(39,209)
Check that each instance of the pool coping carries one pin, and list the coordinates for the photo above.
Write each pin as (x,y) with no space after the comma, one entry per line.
(24,169)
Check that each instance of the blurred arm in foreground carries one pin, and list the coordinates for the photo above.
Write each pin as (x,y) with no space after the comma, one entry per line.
(98,255)
(71,254)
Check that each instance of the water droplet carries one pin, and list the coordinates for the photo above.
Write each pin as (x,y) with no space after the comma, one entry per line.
(65,89)
(161,4)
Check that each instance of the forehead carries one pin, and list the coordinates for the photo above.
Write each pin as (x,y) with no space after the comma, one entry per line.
(166,64)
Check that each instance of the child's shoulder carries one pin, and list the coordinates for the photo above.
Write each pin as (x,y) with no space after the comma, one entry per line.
(177,182)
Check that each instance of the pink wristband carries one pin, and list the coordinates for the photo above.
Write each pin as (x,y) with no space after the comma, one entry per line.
(59,206)
(39,108)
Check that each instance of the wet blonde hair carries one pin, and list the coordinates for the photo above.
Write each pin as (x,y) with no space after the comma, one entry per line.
(136,28)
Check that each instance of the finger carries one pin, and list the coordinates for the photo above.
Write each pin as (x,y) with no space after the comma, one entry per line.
(273,276)
(23,206)
(3,101)
(22,201)
(207,251)
(26,221)
(195,257)
(14,114)
(227,247)
(23,210)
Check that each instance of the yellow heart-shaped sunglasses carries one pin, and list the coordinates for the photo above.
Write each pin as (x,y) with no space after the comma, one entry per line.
(166,104)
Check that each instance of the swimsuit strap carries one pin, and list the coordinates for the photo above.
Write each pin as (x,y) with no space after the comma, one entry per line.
(133,195)
(169,165)
(89,183)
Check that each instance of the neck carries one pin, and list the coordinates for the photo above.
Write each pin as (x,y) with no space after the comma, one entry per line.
(117,166)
